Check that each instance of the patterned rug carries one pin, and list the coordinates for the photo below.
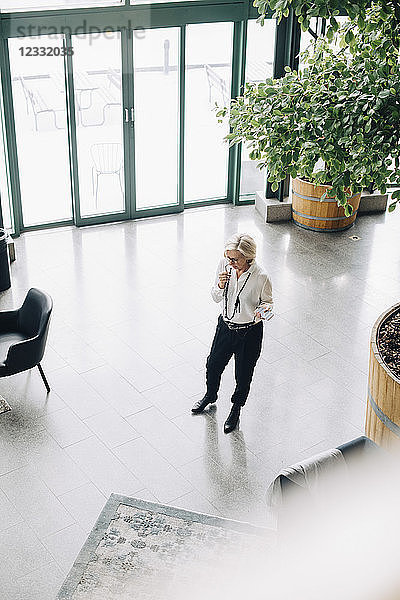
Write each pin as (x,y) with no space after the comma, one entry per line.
(149,551)
(4,406)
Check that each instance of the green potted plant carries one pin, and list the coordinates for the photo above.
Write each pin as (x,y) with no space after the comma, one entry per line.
(336,122)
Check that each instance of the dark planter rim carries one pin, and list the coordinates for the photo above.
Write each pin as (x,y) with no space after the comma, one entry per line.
(374,339)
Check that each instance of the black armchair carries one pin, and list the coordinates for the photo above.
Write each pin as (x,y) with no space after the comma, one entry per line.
(352,452)
(23,335)
(293,491)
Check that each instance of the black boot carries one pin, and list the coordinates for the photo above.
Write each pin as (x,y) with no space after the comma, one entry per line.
(232,419)
(200,405)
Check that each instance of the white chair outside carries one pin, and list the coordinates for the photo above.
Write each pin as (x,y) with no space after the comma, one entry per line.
(107,160)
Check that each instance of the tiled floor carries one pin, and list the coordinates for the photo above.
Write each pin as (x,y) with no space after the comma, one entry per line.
(132,324)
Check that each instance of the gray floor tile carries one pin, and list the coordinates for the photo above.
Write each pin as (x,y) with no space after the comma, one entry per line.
(259,439)
(132,367)
(304,345)
(160,356)
(327,390)
(40,584)
(273,350)
(66,427)
(100,337)
(9,459)
(52,360)
(299,401)
(244,505)
(158,475)
(300,371)
(267,376)
(329,424)
(28,397)
(277,327)
(111,428)
(212,479)
(168,399)
(187,379)
(204,332)
(58,471)
(282,455)
(189,315)
(21,552)
(9,516)
(145,494)
(65,545)
(171,331)
(79,355)
(24,445)
(40,508)
(163,435)
(77,393)
(358,385)
(206,432)
(116,390)
(84,504)
(195,502)
(103,468)
(193,352)
(338,369)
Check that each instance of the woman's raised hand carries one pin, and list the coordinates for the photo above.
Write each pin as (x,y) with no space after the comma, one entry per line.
(223,278)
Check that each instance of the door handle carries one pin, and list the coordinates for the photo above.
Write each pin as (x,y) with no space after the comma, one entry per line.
(126,115)
(132,114)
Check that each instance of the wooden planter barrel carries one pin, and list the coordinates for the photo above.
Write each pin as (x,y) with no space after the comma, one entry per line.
(309,212)
(383,403)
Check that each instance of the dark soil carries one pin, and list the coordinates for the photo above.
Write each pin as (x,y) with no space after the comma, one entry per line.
(389,343)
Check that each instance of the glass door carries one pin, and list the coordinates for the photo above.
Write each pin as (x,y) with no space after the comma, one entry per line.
(38,87)
(156,84)
(5,191)
(127,115)
(260,51)
(100,117)
(208,73)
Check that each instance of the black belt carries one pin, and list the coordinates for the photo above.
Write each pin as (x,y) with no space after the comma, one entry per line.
(235,326)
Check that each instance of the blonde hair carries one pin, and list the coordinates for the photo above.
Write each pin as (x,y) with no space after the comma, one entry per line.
(243,243)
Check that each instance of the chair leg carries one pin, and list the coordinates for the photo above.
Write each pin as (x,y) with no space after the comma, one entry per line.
(120,175)
(96,188)
(46,383)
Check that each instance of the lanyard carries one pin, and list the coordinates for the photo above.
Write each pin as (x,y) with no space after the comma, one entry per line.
(236,308)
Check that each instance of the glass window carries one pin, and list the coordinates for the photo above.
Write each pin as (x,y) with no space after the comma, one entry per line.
(99,126)
(41,130)
(156,105)
(316,25)
(259,65)
(208,82)
(5,193)
(306,37)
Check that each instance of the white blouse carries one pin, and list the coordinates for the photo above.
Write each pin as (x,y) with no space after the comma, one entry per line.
(253,286)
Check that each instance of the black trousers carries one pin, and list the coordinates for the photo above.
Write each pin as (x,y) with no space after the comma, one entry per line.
(245,345)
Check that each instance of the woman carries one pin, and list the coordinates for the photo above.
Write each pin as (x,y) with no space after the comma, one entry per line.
(245,293)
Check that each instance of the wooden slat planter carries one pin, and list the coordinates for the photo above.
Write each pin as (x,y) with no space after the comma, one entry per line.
(309,212)
(383,402)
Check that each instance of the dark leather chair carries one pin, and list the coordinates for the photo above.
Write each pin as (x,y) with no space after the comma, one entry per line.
(23,335)
(352,452)
(289,499)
